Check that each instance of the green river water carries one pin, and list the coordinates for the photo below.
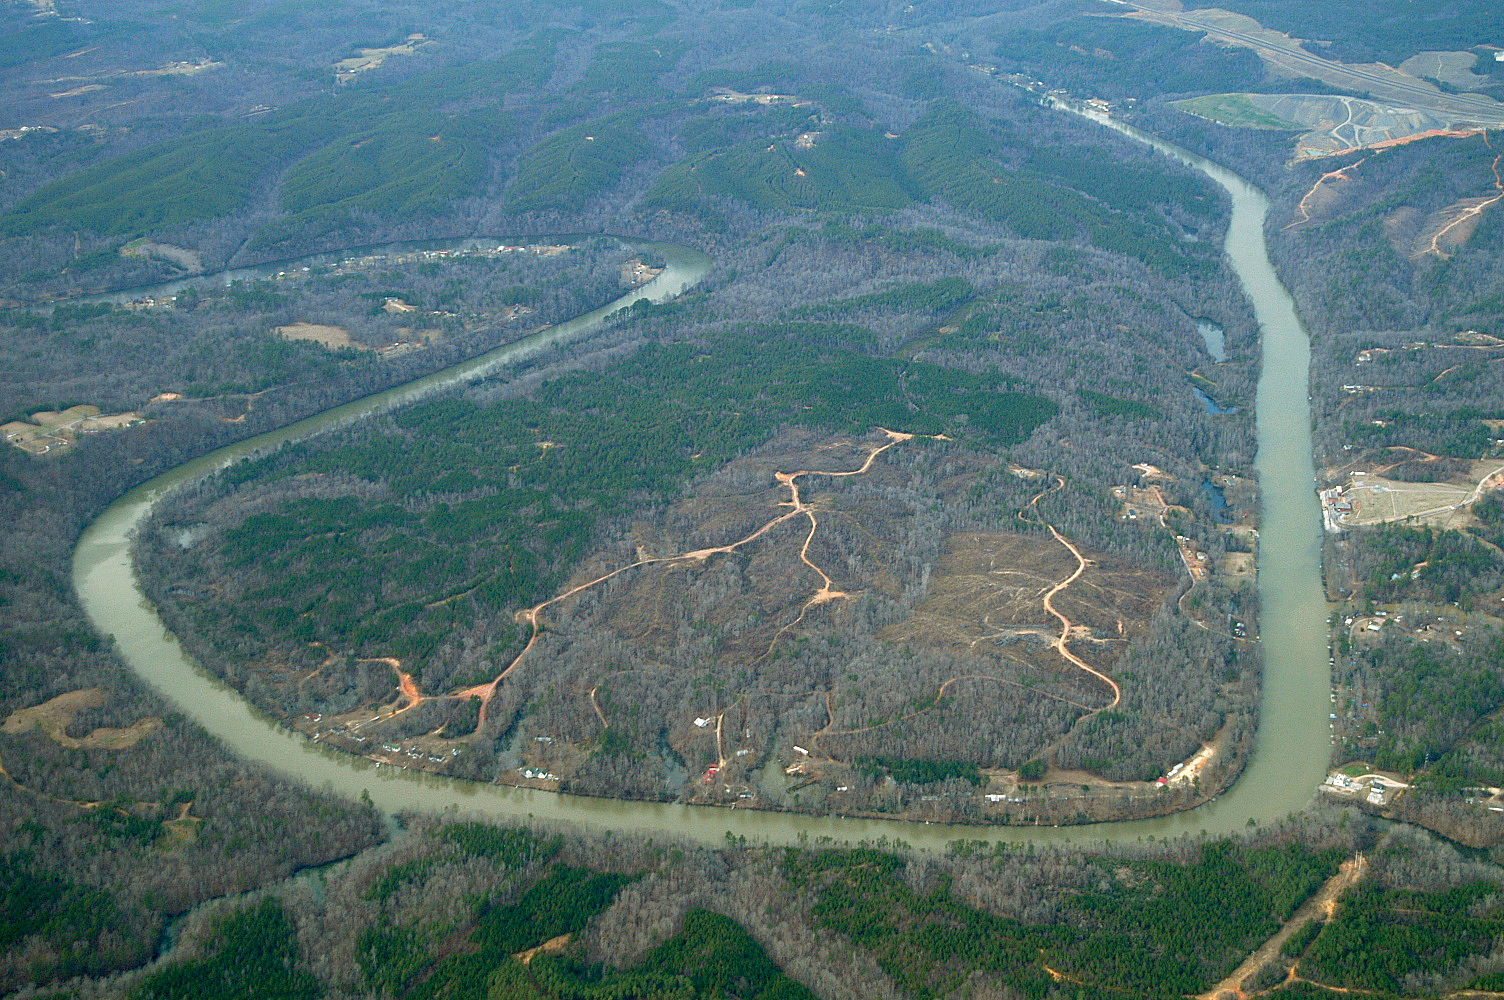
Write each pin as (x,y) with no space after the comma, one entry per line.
(1293,741)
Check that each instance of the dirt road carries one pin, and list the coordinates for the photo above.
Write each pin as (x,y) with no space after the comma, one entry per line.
(1321,905)
(790,480)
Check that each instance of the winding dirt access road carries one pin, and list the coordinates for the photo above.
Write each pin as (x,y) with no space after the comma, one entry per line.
(1331,175)
(1065,623)
(827,591)
(1066,626)
(790,480)
(1066,629)
(1468,213)
(798,507)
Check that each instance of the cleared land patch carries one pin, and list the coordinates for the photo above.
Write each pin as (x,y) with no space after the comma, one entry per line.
(190,261)
(53,431)
(1284,54)
(332,337)
(987,597)
(54,716)
(1378,500)
(1337,124)
(1404,108)
(1236,110)
(365,60)
(1455,69)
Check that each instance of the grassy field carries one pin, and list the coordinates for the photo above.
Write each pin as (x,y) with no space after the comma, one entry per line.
(1377,500)
(1232,109)
(55,716)
(57,430)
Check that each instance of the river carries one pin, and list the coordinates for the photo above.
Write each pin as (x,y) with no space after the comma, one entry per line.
(292,267)
(1293,743)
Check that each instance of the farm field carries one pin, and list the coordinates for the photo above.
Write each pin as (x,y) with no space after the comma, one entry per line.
(54,431)
(1377,500)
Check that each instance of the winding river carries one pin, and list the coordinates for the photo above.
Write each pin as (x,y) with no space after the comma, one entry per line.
(1293,742)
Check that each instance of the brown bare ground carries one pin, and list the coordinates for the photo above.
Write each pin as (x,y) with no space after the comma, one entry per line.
(991,587)
(1449,228)
(1402,227)
(54,717)
(781,527)
(552,946)
(333,337)
(1239,565)
(1030,617)
(758,559)
(1325,195)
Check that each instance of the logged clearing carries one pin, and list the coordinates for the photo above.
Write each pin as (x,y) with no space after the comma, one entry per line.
(332,337)
(1240,566)
(1444,231)
(1325,195)
(1322,905)
(808,595)
(1453,226)
(552,946)
(987,596)
(53,718)
(187,260)
(797,553)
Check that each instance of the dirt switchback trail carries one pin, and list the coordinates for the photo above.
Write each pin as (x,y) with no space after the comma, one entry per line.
(1293,744)
(790,481)
(1060,643)
(1065,623)
(1469,212)
(1332,175)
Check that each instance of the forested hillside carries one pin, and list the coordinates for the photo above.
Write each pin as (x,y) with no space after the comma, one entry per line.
(931,499)
(1395,257)
(587,917)
(901,250)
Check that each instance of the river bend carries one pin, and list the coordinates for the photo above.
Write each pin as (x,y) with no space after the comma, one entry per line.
(1292,746)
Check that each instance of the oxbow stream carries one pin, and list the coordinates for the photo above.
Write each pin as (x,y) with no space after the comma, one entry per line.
(1293,743)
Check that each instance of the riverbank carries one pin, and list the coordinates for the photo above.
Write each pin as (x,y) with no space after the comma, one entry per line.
(1292,737)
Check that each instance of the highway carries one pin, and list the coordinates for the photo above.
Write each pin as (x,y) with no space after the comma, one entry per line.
(1486,109)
